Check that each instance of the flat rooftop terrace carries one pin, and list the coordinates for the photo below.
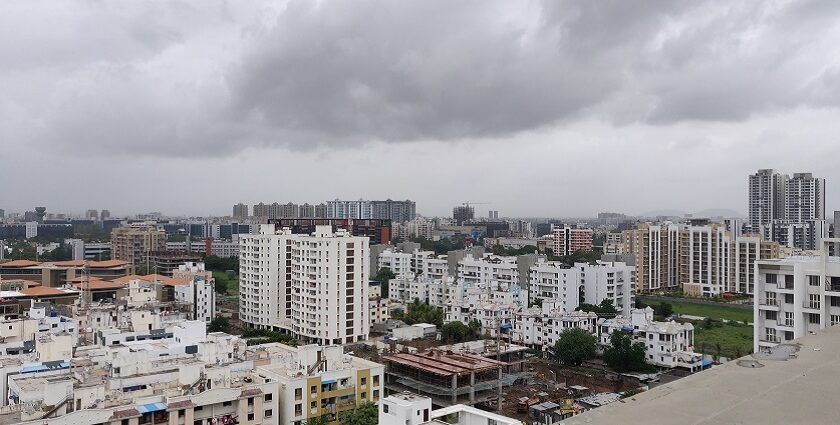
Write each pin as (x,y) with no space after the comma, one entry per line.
(800,384)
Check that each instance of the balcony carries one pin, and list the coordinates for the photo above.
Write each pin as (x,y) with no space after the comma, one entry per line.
(808,305)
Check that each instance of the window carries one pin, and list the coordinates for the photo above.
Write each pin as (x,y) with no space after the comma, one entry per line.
(364,381)
(364,395)
(384,408)
(250,416)
(298,409)
(298,393)
(227,403)
(835,319)
(313,389)
(770,315)
(375,395)
(814,280)
(788,298)
(268,413)
(375,380)
(788,318)
(813,318)
(770,278)
(269,397)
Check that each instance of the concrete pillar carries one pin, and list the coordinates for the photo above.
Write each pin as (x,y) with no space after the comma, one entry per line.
(454,389)
(472,388)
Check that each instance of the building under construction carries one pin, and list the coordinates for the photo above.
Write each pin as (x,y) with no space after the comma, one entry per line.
(448,377)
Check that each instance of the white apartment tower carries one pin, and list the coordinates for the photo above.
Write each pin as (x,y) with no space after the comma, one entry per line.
(313,286)
(795,296)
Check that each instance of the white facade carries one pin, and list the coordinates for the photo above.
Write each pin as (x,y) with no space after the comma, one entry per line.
(411,409)
(667,344)
(541,326)
(313,286)
(553,281)
(198,290)
(795,296)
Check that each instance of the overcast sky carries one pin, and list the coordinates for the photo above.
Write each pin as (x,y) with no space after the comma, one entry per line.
(549,108)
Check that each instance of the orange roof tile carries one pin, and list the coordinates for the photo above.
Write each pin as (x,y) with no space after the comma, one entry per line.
(20,263)
(69,263)
(127,278)
(44,291)
(106,264)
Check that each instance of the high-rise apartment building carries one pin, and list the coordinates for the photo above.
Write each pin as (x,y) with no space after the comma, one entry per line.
(704,263)
(805,198)
(656,252)
(92,215)
(104,215)
(240,210)
(360,209)
(289,210)
(135,244)
(463,213)
(312,285)
(396,211)
(789,210)
(766,197)
(701,259)
(568,240)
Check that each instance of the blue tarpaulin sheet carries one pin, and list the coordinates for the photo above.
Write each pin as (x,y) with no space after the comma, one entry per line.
(328,381)
(151,407)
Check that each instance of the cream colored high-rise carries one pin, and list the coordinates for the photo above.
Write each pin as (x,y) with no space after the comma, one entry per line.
(656,252)
(313,286)
(133,244)
(699,259)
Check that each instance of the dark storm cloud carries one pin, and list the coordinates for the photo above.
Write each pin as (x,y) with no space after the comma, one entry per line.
(214,78)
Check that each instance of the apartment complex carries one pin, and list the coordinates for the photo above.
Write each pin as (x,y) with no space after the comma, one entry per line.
(568,240)
(135,243)
(240,210)
(699,258)
(788,209)
(314,286)
(795,296)
(667,344)
(318,382)
(590,283)
(396,211)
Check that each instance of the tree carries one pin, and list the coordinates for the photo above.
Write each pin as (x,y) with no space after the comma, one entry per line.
(221,286)
(419,312)
(219,324)
(366,414)
(320,420)
(606,309)
(455,332)
(624,355)
(574,346)
(664,309)
(384,276)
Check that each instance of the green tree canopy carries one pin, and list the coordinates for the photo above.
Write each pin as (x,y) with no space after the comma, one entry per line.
(366,414)
(455,332)
(624,355)
(574,346)
(419,312)
(219,324)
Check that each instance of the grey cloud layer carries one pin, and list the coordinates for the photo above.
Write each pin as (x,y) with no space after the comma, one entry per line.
(212,78)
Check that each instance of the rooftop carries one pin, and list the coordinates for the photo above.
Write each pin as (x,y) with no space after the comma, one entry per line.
(446,363)
(798,388)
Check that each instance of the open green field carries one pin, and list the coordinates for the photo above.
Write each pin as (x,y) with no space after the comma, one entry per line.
(721,311)
(232,283)
(735,340)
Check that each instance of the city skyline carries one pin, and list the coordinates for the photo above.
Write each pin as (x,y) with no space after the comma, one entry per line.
(680,101)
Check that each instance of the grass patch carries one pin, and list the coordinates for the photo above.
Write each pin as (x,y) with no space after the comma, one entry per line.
(231,283)
(712,311)
(735,339)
